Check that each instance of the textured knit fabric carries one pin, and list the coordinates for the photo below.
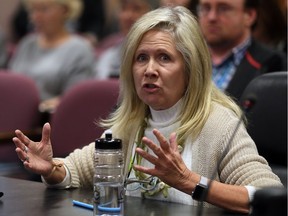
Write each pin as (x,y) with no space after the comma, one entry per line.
(55,69)
(241,165)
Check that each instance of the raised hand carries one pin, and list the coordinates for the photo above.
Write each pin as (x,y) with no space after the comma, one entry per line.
(36,156)
(169,166)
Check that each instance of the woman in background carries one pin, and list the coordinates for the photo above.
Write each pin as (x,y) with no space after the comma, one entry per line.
(108,63)
(53,57)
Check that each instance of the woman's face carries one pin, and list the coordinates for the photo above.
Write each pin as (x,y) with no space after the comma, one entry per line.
(158,70)
(47,16)
(130,12)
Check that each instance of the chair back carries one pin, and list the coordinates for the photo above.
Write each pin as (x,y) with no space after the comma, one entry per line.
(19,101)
(267,120)
(74,121)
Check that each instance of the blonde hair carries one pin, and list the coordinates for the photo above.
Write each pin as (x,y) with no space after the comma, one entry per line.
(200,92)
(75,7)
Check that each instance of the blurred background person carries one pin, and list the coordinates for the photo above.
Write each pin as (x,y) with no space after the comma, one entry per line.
(190,4)
(54,57)
(108,63)
(237,58)
(90,23)
(3,50)
(271,27)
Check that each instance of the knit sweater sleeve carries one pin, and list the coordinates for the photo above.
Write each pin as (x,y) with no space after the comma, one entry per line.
(241,165)
(80,164)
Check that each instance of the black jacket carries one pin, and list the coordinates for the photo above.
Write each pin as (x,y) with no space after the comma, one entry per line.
(258,60)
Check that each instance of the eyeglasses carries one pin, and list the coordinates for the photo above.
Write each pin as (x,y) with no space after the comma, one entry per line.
(148,184)
(221,10)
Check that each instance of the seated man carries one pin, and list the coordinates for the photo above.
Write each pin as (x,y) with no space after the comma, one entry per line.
(237,58)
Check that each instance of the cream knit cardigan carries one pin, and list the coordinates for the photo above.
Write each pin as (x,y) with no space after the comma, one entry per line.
(242,165)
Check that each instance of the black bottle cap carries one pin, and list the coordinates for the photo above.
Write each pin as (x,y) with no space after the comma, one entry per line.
(108,142)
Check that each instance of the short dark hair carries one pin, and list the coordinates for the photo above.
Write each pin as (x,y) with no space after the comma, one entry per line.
(253,4)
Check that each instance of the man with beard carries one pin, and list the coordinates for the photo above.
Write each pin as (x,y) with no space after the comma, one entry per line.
(237,58)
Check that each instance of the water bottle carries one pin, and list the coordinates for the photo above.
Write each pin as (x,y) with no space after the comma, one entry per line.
(108,176)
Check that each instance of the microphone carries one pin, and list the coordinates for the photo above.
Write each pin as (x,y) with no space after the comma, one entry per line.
(246,106)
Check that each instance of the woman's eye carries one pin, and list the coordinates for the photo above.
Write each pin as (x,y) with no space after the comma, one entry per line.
(164,57)
(141,58)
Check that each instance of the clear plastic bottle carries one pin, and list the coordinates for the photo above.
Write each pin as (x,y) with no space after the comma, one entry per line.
(108,176)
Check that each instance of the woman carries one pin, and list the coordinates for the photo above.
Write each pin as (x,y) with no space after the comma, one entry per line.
(54,57)
(108,63)
(177,121)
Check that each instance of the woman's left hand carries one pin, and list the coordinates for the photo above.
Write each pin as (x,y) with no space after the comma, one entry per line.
(169,165)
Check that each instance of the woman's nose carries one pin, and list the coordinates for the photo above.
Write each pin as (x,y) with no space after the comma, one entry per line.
(151,70)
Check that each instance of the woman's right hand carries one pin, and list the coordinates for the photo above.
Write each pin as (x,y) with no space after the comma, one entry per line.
(37,157)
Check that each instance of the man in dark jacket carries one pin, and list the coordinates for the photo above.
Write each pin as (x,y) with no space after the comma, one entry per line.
(236,57)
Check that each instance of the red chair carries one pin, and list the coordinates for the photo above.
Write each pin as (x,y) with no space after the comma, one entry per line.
(73,122)
(19,101)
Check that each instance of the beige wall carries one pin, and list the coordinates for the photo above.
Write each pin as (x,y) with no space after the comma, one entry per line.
(7,7)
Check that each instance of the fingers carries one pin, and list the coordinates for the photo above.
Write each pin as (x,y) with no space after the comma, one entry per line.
(46,131)
(20,153)
(163,151)
(165,146)
(158,150)
(18,143)
(21,150)
(162,140)
(24,144)
(152,159)
(145,170)
(172,141)
(21,139)
(149,158)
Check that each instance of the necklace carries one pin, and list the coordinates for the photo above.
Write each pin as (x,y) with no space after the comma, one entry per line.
(159,186)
